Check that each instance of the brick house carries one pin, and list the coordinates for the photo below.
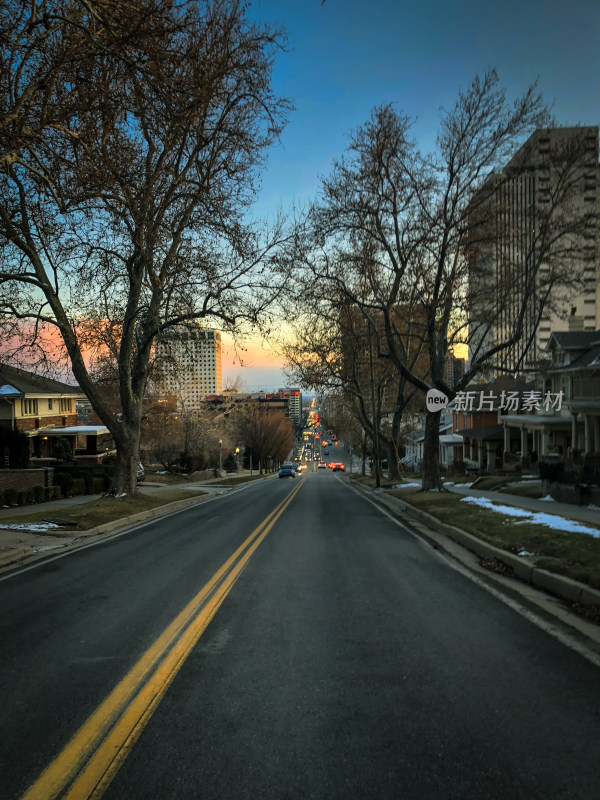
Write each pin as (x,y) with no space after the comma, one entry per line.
(45,410)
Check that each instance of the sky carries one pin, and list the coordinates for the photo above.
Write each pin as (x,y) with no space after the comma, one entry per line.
(344,57)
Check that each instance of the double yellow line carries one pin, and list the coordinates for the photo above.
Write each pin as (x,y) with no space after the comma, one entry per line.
(88,763)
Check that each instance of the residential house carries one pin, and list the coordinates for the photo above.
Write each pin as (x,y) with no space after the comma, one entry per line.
(449,446)
(45,410)
(477,416)
(563,420)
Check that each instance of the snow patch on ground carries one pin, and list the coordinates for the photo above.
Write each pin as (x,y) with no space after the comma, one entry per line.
(31,527)
(407,486)
(547,499)
(539,518)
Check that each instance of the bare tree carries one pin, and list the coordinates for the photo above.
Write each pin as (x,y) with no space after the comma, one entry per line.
(394,231)
(335,348)
(268,433)
(131,135)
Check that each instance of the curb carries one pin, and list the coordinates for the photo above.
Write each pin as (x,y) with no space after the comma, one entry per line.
(558,585)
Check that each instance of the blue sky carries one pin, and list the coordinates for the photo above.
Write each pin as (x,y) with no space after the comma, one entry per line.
(347,56)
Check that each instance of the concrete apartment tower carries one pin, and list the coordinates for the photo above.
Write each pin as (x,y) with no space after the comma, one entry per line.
(188,361)
(530,238)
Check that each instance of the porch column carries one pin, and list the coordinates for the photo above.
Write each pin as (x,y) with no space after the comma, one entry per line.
(543,441)
(574,431)
(587,433)
(506,439)
(490,457)
(523,441)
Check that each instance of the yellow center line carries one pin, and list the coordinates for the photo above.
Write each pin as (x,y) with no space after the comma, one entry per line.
(92,757)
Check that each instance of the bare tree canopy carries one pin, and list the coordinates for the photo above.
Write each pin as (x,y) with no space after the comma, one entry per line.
(395,231)
(131,138)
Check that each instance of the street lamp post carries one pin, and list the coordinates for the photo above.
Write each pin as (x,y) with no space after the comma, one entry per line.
(220,457)
(237,459)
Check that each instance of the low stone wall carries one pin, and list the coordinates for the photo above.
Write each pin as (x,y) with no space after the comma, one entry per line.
(19,479)
(579,494)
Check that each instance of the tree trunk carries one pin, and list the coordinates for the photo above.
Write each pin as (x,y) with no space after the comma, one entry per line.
(124,480)
(393,464)
(432,478)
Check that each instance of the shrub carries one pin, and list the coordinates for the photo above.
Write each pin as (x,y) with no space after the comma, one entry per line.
(64,480)
(552,471)
(88,479)
(62,449)
(39,493)
(15,446)
(230,463)
(98,485)
(78,486)
(10,497)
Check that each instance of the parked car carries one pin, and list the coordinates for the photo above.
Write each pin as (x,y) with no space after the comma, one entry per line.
(287,471)
(141,472)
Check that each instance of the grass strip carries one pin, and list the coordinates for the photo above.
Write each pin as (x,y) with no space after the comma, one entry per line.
(575,555)
(101,510)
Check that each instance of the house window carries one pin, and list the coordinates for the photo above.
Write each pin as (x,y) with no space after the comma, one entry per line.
(49,405)
(65,406)
(29,407)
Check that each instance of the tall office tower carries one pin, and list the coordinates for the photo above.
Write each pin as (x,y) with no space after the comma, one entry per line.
(188,361)
(294,404)
(536,234)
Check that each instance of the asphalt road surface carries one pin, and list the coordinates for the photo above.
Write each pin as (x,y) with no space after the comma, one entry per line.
(283,642)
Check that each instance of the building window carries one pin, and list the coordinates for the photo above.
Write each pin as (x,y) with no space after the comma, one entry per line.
(49,405)
(65,406)
(29,407)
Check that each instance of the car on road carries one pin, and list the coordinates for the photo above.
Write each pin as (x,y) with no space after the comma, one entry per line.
(322,465)
(337,466)
(287,471)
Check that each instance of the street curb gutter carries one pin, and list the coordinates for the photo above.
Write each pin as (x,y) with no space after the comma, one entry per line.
(559,585)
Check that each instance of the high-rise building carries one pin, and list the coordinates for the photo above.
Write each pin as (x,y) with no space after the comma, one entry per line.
(539,232)
(294,404)
(188,364)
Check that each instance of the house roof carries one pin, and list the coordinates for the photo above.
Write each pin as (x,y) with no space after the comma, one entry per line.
(574,340)
(590,358)
(490,433)
(78,430)
(17,382)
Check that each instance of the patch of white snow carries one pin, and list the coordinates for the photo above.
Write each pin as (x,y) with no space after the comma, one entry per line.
(549,520)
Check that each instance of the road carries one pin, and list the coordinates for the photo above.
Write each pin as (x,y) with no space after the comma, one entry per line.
(335,656)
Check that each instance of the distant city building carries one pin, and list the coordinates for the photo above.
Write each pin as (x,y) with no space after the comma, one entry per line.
(188,365)
(454,370)
(521,200)
(294,404)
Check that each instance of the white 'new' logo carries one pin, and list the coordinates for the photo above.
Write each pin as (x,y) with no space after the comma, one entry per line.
(436,400)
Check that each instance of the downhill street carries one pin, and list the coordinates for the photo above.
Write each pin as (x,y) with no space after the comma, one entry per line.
(330,655)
